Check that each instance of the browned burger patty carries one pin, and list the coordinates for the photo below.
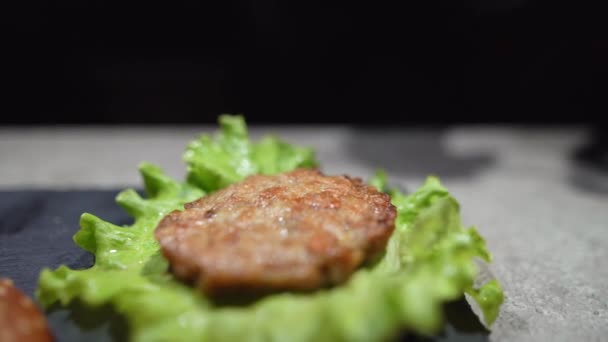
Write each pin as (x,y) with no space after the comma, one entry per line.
(20,318)
(299,230)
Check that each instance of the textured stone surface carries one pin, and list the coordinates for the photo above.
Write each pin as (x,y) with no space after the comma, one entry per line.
(545,217)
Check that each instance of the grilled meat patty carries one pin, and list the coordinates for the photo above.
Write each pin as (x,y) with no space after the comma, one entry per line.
(298,230)
(20,318)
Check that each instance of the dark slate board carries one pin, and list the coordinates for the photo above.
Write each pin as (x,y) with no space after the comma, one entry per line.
(36,229)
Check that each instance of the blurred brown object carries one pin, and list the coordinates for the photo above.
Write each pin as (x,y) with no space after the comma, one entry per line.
(20,318)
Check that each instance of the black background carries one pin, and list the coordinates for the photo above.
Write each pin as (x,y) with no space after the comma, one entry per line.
(302,62)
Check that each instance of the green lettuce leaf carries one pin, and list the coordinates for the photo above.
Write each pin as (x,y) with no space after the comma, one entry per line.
(215,162)
(430,259)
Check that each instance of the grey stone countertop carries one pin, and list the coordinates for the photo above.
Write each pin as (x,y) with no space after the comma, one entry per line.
(545,217)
